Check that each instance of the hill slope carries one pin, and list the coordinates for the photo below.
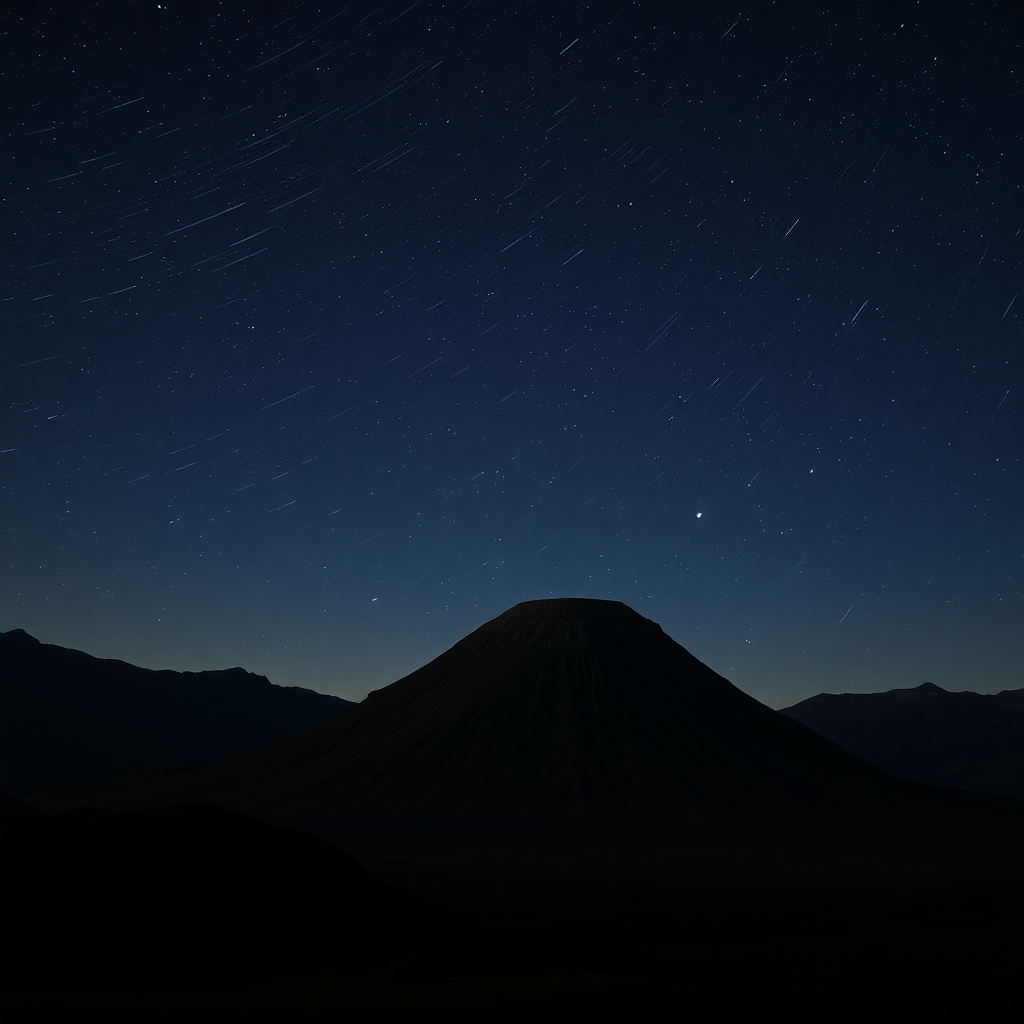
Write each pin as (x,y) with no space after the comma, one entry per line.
(102,895)
(965,740)
(563,720)
(66,717)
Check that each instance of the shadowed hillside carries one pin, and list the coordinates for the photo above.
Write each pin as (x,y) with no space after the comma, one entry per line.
(66,716)
(568,720)
(12,807)
(101,895)
(966,740)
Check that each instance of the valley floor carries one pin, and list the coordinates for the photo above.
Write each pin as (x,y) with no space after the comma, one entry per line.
(642,934)
(889,995)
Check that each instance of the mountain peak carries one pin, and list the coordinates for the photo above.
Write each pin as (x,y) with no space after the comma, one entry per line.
(575,623)
(18,636)
(928,688)
(68,717)
(569,719)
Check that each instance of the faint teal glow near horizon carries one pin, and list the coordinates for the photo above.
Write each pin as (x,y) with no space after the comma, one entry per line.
(328,339)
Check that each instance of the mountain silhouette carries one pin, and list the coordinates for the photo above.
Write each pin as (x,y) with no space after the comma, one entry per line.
(565,720)
(66,717)
(966,740)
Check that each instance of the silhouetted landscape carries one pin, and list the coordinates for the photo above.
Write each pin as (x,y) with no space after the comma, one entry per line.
(67,717)
(336,335)
(564,721)
(190,889)
(963,740)
(566,810)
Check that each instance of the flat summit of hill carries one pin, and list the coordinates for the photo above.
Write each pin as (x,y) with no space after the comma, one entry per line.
(564,720)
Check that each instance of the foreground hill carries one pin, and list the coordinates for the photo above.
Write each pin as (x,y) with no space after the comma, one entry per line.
(67,717)
(106,896)
(12,807)
(195,914)
(573,720)
(965,740)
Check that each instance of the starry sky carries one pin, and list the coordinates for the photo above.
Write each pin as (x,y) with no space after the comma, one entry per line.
(332,331)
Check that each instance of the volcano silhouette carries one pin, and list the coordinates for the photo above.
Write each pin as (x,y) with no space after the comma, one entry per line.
(565,719)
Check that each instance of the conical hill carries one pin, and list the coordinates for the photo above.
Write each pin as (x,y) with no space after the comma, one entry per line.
(566,719)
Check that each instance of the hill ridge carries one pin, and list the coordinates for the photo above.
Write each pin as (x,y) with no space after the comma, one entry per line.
(569,719)
(67,717)
(964,740)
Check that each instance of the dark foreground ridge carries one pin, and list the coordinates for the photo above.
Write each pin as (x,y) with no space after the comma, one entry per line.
(197,913)
(67,717)
(965,740)
(569,720)
(102,896)
(12,807)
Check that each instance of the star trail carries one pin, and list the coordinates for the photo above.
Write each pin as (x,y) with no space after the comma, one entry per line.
(331,332)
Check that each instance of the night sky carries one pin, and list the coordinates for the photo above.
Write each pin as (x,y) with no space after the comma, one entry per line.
(330,332)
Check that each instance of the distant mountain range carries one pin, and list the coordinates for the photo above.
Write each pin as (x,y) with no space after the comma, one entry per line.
(67,717)
(965,740)
(566,766)
(568,720)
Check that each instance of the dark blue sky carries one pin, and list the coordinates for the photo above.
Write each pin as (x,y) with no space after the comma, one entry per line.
(331,332)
